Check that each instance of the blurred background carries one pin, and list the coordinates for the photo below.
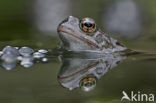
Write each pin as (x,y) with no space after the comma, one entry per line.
(33,23)
(134,21)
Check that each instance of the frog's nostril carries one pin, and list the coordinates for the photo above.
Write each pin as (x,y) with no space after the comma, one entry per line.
(72,18)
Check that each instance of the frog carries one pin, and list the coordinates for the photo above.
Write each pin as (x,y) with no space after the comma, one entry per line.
(84,73)
(84,35)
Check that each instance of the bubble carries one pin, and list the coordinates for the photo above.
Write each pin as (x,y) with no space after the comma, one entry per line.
(19,58)
(44,59)
(8,66)
(26,51)
(16,48)
(10,54)
(27,62)
(1,53)
(38,55)
(43,51)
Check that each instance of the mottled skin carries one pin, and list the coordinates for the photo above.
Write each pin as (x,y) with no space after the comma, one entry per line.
(76,71)
(75,39)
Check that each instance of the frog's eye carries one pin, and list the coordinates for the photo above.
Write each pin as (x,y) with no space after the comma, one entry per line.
(88,25)
(87,83)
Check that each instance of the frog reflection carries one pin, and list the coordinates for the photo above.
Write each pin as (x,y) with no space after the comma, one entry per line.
(84,72)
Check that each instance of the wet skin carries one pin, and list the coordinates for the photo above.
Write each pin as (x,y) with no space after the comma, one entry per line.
(84,35)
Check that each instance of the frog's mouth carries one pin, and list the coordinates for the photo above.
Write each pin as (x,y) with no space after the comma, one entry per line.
(63,29)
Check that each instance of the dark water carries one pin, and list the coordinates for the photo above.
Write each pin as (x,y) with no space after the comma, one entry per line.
(40,82)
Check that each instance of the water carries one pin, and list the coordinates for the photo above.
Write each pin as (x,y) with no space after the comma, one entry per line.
(65,77)
(39,80)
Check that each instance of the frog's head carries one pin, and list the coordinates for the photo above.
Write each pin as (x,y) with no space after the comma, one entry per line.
(83,35)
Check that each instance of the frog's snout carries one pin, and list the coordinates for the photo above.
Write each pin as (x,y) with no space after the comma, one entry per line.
(59,28)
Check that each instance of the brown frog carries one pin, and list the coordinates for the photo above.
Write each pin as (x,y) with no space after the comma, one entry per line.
(84,35)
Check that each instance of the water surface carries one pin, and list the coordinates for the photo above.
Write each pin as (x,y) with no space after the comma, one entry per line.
(39,83)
